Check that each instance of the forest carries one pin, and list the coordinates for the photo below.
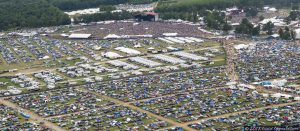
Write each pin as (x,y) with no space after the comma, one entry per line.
(82,4)
(103,16)
(16,14)
(195,5)
(186,9)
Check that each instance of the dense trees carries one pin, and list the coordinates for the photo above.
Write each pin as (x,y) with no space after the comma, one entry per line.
(38,13)
(281,3)
(180,15)
(251,12)
(214,20)
(294,15)
(217,20)
(193,5)
(256,30)
(81,4)
(268,27)
(286,34)
(247,28)
(30,13)
(169,8)
(107,8)
(103,16)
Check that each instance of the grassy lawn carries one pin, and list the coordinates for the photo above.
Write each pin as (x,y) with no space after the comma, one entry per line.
(2,79)
(210,44)
(216,63)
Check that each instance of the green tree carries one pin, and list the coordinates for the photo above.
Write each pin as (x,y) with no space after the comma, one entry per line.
(287,35)
(294,15)
(293,35)
(295,7)
(245,27)
(16,14)
(107,8)
(268,27)
(256,30)
(287,20)
(251,12)
(281,33)
(215,20)
(261,18)
(227,27)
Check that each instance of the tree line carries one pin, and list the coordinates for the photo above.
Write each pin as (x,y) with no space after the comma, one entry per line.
(82,4)
(103,16)
(196,5)
(16,14)
(178,8)
(248,29)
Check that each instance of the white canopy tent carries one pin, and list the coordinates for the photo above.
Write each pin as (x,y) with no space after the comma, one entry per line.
(80,36)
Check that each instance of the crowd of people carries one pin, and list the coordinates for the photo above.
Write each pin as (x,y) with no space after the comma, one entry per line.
(156,29)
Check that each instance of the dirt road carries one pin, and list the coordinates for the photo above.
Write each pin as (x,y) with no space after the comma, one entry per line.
(33,117)
(184,126)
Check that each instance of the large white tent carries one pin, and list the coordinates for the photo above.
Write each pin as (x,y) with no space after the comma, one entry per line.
(80,36)
(112,36)
(297,33)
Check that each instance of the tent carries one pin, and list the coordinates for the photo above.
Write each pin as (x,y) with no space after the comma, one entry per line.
(297,33)
(112,36)
(80,36)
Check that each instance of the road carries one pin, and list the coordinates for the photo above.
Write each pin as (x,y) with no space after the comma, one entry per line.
(184,126)
(209,89)
(33,70)
(230,57)
(245,111)
(33,117)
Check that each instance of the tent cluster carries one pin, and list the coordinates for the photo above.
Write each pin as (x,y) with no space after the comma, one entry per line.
(149,86)
(189,106)
(284,116)
(109,118)
(13,120)
(49,78)
(268,60)
(7,54)
(59,102)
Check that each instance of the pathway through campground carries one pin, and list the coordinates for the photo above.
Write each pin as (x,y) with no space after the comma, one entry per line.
(33,117)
